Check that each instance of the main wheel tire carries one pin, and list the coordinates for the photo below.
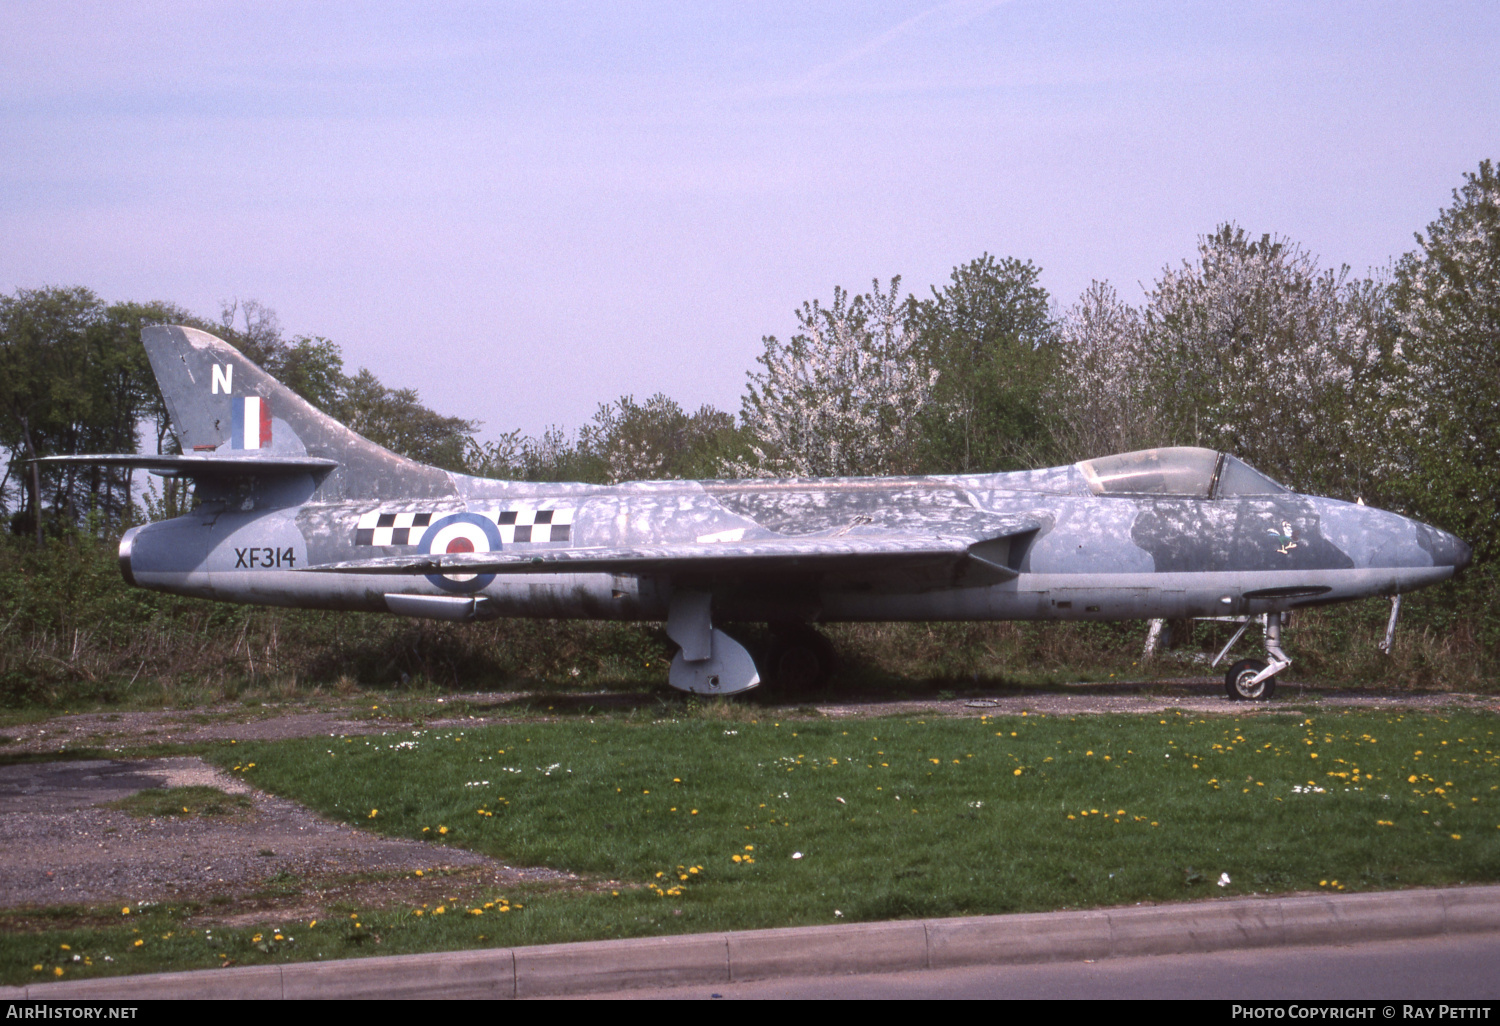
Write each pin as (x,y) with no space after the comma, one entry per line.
(1237,682)
(800,659)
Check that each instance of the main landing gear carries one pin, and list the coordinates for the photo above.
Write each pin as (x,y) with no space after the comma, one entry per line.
(1254,680)
(800,659)
(710,662)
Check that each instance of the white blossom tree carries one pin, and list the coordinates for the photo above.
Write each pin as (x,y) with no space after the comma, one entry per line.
(653,440)
(1447,300)
(842,396)
(1255,350)
(1097,396)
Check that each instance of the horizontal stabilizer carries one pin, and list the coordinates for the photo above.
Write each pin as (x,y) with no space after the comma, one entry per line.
(199,466)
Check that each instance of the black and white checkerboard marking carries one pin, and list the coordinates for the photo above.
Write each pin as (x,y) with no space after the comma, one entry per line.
(519,525)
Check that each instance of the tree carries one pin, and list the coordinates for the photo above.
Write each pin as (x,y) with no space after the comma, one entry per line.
(46,385)
(989,340)
(1096,402)
(655,440)
(1447,302)
(626,441)
(842,396)
(1254,350)
(136,402)
(313,367)
(396,419)
(260,338)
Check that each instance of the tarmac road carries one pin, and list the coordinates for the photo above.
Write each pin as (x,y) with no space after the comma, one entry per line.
(1446,968)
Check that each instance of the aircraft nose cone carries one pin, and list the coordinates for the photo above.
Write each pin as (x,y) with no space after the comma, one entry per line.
(1450,550)
(1463,555)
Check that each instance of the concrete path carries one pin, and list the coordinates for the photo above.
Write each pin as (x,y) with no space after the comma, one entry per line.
(909,946)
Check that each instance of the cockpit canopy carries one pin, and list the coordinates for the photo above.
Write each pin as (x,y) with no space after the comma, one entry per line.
(1183,470)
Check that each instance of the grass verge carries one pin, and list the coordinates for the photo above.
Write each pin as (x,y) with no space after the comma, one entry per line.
(183,802)
(700,823)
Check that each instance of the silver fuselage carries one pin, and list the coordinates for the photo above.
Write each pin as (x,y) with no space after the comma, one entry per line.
(1094,558)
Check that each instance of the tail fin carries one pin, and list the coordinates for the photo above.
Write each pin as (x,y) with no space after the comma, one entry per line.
(222,403)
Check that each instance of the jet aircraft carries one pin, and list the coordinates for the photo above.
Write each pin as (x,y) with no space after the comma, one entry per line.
(295,509)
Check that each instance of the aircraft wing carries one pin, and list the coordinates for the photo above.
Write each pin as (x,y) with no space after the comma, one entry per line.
(967,557)
(196,466)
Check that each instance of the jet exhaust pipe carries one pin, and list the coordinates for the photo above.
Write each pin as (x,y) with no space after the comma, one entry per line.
(127,540)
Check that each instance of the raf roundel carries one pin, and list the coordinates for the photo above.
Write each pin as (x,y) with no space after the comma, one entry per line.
(461,532)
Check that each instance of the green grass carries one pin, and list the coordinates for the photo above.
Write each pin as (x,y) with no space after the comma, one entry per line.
(938,817)
(183,802)
(935,817)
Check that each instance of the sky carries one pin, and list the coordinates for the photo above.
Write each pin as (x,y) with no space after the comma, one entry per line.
(525,210)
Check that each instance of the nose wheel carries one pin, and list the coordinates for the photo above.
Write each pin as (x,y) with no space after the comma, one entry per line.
(1243,681)
(1254,680)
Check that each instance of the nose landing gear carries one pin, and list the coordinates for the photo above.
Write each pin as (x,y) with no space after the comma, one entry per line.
(1254,680)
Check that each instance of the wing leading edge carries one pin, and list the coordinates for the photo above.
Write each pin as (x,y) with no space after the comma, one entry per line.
(967,558)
